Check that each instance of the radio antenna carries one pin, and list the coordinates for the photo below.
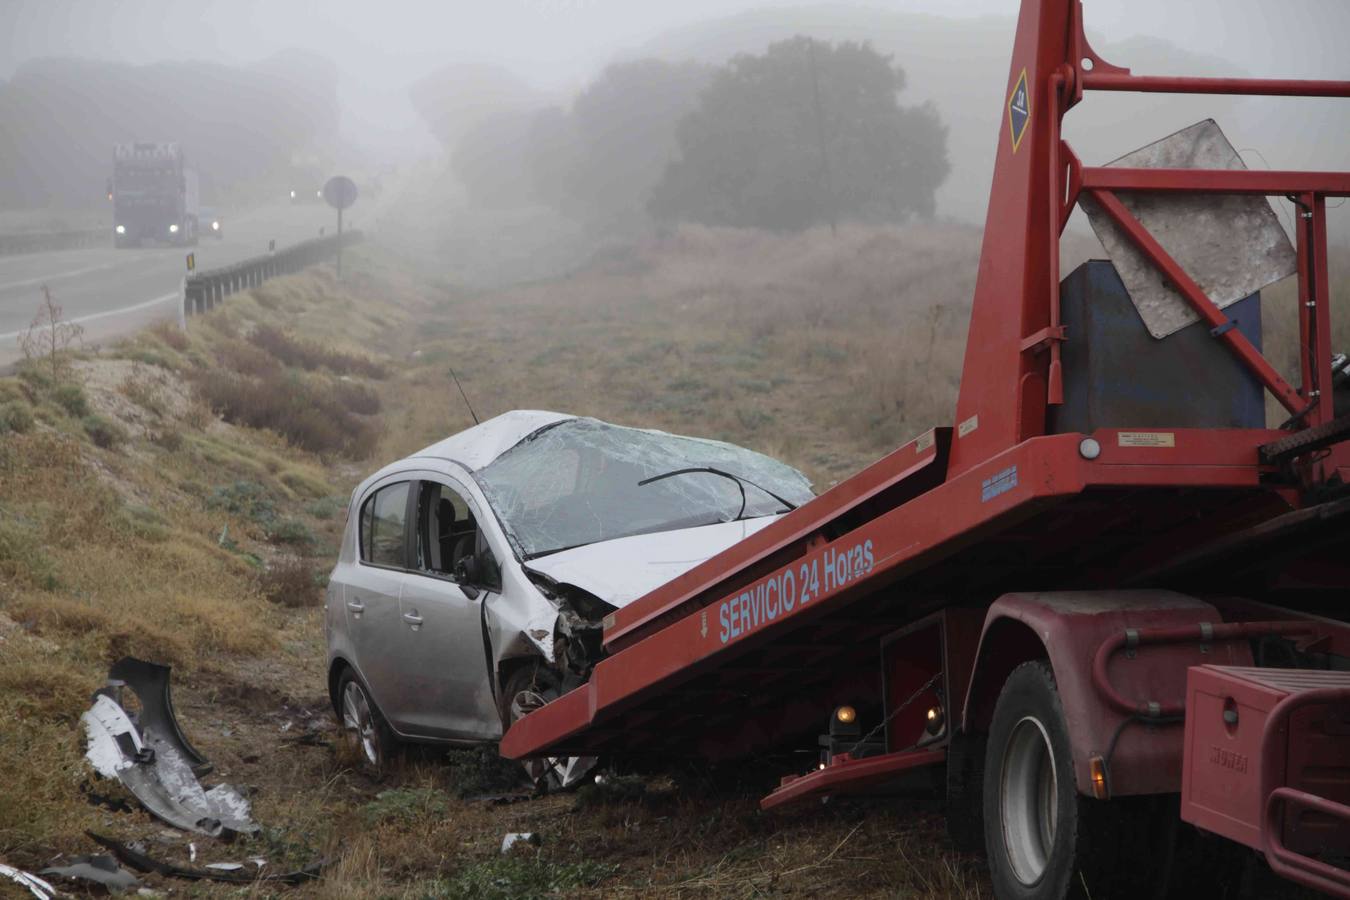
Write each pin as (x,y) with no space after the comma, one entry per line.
(464,395)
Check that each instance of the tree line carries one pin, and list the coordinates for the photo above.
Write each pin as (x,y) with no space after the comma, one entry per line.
(805,133)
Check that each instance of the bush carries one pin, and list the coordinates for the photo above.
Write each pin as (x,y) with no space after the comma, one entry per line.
(291,583)
(292,531)
(321,416)
(310,356)
(103,432)
(246,499)
(243,358)
(70,397)
(15,416)
(326,508)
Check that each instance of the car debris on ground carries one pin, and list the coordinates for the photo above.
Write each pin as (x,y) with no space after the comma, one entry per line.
(135,856)
(143,747)
(100,869)
(36,886)
(151,764)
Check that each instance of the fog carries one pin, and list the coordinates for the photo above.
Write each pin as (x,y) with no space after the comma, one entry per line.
(954,53)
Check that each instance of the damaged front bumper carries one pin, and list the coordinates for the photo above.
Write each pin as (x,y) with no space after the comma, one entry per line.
(150,756)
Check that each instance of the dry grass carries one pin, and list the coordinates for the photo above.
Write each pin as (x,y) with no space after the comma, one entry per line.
(290,582)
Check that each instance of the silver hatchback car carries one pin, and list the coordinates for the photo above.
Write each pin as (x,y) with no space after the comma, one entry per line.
(474,575)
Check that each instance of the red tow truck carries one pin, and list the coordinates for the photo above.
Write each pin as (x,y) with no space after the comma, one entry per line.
(1110,600)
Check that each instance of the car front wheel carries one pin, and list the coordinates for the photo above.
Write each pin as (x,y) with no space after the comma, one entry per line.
(526,689)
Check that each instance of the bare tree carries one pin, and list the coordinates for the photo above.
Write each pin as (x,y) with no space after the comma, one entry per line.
(49,335)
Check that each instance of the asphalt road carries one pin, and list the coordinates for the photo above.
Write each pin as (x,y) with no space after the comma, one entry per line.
(111,293)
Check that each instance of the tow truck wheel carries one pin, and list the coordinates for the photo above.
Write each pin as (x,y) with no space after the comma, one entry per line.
(1043,839)
(363,725)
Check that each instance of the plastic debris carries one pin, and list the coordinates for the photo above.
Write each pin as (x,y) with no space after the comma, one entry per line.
(152,758)
(143,862)
(101,870)
(36,886)
(520,837)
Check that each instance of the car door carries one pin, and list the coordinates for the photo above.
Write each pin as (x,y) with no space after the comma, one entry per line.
(445,688)
(375,584)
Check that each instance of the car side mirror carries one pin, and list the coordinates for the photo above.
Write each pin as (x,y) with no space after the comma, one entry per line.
(478,570)
(467,570)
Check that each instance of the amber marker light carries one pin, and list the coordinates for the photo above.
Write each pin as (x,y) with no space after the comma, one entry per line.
(1097,775)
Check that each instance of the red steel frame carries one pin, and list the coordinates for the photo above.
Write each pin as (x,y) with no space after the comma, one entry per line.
(950,489)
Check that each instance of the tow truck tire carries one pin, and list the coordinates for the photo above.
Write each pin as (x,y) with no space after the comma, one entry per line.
(1043,839)
(363,725)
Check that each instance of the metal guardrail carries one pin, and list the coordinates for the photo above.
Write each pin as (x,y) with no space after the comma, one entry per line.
(42,242)
(203,291)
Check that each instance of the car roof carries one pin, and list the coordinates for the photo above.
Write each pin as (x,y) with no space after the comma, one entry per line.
(478,446)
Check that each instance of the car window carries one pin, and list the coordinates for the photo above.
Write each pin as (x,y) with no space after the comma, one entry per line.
(583,481)
(383,532)
(446,529)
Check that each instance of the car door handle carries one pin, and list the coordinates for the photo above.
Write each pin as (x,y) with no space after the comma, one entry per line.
(412,618)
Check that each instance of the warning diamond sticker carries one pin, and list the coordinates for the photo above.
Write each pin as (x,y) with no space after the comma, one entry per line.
(1019,110)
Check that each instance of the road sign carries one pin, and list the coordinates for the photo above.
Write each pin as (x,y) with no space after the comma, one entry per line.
(340,192)
(191,261)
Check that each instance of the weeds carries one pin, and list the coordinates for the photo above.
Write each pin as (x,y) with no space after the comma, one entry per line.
(16,417)
(50,337)
(404,806)
(104,432)
(291,583)
(292,532)
(522,877)
(247,500)
(326,508)
(71,398)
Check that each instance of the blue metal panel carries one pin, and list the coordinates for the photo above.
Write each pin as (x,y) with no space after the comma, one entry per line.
(1117,375)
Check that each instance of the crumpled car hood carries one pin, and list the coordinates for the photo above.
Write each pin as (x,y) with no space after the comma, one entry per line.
(624,569)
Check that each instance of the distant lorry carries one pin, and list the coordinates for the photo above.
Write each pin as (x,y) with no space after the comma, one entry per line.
(154,195)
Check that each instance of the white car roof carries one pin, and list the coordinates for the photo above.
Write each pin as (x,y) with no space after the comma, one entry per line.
(481,444)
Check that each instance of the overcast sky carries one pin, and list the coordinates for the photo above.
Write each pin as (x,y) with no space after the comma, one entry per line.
(557,44)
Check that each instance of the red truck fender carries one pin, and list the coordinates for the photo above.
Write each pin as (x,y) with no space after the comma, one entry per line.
(1067,628)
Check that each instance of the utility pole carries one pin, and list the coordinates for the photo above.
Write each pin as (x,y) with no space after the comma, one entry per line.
(820,134)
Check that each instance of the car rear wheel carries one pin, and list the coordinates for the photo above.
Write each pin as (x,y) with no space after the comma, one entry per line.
(363,726)
(1044,840)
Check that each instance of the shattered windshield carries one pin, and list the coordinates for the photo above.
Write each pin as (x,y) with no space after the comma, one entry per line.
(577,483)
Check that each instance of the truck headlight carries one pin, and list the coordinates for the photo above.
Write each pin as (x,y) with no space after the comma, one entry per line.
(215,226)
(173,229)
(121,229)
(292,195)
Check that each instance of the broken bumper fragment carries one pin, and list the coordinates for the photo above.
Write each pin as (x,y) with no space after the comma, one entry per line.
(154,761)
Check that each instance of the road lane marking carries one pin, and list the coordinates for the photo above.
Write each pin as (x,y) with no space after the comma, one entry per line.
(28,282)
(80,320)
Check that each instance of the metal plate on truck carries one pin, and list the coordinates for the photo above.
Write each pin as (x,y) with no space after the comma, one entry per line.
(1231,245)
